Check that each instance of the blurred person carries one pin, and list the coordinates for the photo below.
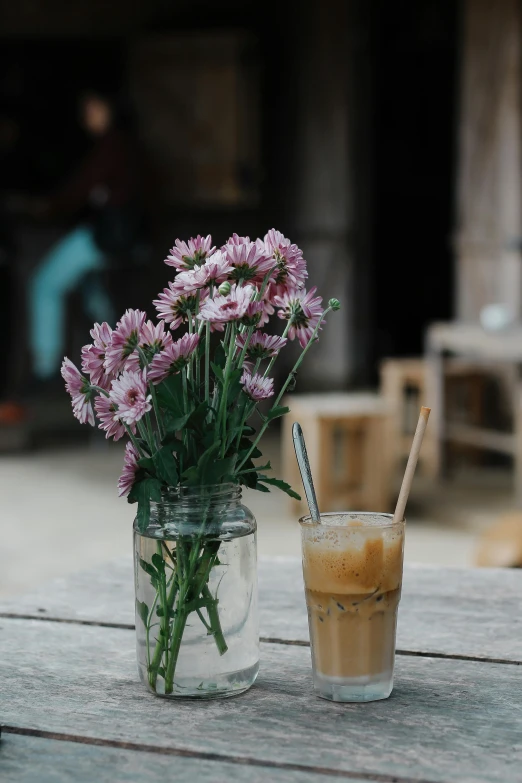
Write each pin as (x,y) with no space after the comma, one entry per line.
(104,194)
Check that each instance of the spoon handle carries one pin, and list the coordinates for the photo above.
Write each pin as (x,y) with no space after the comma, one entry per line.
(306,473)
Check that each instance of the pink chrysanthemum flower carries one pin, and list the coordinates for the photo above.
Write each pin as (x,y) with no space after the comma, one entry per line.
(291,266)
(173,358)
(130,468)
(174,306)
(223,309)
(186,255)
(303,309)
(257,387)
(124,340)
(80,390)
(213,272)
(101,335)
(255,315)
(129,394)
(250,260)
(235,239)
(261,346)
(92,365)
(93,355)
(154,339)
(108,416)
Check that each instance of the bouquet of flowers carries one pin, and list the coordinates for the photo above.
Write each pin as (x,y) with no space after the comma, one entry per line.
(187,405)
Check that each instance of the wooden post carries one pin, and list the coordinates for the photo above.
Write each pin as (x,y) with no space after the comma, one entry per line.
(488,231)
(324,211)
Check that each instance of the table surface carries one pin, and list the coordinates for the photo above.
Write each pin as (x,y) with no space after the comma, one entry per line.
(72,707)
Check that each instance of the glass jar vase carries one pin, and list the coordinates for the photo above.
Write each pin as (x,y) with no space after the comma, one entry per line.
(195,569)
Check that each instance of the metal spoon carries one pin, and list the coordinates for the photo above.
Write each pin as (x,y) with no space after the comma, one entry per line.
(306,473)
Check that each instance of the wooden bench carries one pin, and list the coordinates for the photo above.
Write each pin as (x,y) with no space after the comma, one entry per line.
(406,385)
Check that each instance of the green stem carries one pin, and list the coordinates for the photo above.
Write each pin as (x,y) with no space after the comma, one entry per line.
(222,417)
(177,635)
(161,643)
(215,623)
(248,337)
(195,356)
(101,391)
(185,401)
(177,631)
(150,433)
(135,441)
(155,405)
(207,361)
(284,387)
(273,359)
(147,629)
(145,435)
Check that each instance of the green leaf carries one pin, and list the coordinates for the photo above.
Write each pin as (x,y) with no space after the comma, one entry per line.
(261,487)
(280,485)
(208,454)
(144,491)
(197,419)
(147,464)
(142,610)
(249,480)
(244,451)
(192,476)
(281,410)
(218,470)
(155,667)
(170,394)
(218,372)
(158,562)
(220,356)
(234,387)
(166,466)
(197,473)
(148,568)
(253,468)
(174,442)
(174,424)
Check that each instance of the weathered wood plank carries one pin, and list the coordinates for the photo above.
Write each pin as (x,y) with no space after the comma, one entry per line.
(451,611)
(447,720)
(37,760)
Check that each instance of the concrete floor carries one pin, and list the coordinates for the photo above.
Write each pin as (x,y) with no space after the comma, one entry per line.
(60,512)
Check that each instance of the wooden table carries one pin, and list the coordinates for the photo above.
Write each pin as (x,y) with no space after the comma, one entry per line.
(72,707)
(472,342)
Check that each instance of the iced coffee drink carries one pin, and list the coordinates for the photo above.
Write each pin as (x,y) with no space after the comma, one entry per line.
(352,567)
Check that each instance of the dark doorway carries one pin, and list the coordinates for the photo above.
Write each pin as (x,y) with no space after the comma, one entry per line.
(414,88)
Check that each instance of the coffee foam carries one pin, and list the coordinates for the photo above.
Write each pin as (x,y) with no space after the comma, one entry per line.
(348,560)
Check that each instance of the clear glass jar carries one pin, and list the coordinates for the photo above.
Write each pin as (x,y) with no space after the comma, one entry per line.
(195,569)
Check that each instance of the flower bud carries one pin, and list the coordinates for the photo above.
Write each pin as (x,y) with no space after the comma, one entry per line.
(224,288)
(334,304)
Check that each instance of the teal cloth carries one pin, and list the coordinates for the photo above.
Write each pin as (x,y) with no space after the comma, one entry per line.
(61,271)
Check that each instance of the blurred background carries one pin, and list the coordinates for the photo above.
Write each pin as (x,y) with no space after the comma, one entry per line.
(383,138)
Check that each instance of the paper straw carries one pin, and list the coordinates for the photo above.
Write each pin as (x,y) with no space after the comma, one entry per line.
(412,464)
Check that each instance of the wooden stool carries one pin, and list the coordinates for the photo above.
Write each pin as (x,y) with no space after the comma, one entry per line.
(404,386)
(346,439)
(501,545)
